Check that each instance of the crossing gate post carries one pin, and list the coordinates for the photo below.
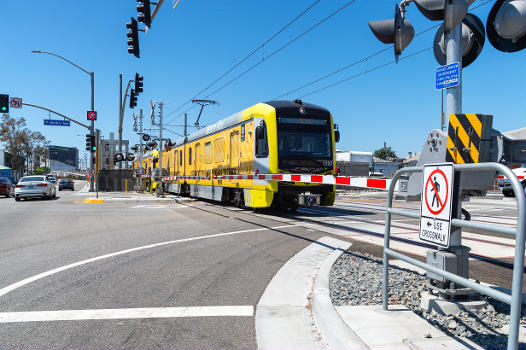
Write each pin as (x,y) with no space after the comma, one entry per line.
(519,232)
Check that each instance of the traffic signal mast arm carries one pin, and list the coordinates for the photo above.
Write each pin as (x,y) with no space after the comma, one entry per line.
(123,107)
(57,113)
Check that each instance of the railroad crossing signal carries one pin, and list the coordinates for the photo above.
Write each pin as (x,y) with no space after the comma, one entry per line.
(397,31)
(144,13)
(435,208)
(133,38)
(506,27)
(138,83)
(4,103)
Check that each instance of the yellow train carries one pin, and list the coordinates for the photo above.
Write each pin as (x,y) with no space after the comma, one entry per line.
(267,138)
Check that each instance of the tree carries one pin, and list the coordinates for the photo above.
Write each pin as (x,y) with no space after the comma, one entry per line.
(19,141)
(42,170)
(385,153)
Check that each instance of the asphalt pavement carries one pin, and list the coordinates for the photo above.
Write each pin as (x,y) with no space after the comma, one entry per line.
(181,273)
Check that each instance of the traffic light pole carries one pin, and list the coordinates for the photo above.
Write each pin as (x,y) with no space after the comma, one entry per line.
(140,149)
(92,126)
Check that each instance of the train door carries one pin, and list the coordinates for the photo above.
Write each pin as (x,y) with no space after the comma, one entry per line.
(198,159)
(234,152)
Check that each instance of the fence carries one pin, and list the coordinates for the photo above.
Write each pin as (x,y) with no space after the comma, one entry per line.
(116,180)
(514,300)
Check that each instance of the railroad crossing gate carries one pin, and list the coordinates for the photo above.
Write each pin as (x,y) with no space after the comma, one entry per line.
(435,208)
(469,138)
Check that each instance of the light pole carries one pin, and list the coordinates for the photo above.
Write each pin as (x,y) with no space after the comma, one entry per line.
(92,125)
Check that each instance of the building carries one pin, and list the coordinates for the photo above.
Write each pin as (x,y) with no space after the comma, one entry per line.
(62,158)
(353,163)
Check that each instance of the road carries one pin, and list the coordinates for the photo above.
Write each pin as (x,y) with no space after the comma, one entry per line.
(185,274)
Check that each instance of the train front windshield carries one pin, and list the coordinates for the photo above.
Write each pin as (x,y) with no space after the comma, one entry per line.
(304,144)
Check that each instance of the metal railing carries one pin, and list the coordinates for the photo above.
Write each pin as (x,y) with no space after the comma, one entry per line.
(519,232)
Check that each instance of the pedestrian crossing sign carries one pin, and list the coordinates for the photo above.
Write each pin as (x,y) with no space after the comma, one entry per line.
(435,208)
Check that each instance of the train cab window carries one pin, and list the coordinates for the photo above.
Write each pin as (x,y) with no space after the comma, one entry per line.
(261,141)
(181,157)
(189,156)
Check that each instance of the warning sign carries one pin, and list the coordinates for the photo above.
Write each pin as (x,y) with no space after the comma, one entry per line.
(435,209)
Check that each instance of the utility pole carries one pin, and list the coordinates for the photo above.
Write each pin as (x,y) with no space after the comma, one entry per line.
(140,148)
(97,158)
(160,189)
(120,114)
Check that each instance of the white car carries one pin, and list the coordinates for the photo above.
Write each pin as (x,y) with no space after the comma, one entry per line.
(35,186)
(505,185)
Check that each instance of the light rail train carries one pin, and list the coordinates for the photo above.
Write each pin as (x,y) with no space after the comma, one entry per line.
(276,137)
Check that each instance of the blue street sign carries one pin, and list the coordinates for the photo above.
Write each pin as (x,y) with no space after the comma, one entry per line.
(447,76)
(54,122)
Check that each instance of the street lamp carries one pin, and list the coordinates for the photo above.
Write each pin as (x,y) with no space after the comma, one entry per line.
(92,126)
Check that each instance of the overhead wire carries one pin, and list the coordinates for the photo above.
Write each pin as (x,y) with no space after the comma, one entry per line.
(249,55)
(275,52)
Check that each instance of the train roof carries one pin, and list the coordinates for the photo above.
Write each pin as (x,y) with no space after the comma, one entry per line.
(281,106)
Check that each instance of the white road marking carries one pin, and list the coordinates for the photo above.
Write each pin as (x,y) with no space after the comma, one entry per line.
(132,313)
(159,206)
(28,280)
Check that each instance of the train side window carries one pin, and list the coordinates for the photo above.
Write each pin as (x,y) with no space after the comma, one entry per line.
(189,156)
(180,157)
(208,152)
(261,141)
(242,132)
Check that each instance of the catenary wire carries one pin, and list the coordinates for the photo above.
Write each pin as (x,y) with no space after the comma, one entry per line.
(276,51)
(248,56)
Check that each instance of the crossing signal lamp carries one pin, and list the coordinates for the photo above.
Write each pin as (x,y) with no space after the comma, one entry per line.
(133,99)
(397,31)
(144,13)
(145,137)
(152,144)
(473,37)
(449,11)
(506,25)
(119,157)
(4,103)
(133,38)
(130,157)
(134,148)
(138,83)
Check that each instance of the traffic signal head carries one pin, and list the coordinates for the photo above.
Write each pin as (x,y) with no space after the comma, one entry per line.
(4,103)
(133,37)
(138,83)
(397,31)
(506,25)
(133,99)
(473,38)
(144,13)
(90,143)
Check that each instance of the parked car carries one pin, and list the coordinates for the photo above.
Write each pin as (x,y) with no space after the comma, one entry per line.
(7,188)
(505,186)
(35,186)
(66,184)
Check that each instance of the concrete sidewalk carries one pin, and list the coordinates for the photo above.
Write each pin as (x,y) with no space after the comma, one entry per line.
(296,312)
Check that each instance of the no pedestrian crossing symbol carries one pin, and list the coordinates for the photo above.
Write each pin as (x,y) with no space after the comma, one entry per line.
(435,208)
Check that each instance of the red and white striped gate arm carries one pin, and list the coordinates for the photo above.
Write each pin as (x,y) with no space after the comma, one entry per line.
(360,182)
(502,177)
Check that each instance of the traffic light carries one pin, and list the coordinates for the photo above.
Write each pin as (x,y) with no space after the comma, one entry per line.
(144,13)
(397,31)
(133,99)
(473,37)
(90,143)
(133,38)
(4,103)
(138,83)
(506,25)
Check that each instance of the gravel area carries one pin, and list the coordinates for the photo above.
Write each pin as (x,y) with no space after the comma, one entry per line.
(356,279)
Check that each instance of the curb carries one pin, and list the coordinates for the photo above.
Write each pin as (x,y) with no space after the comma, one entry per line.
(98,201)
(332,327)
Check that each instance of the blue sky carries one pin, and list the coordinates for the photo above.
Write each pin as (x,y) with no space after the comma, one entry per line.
(188,48)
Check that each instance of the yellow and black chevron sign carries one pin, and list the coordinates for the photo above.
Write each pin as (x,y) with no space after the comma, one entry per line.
(469,138)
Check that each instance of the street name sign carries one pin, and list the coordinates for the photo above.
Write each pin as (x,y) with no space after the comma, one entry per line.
(435,207)
(447,76)
(15,102)
(54,122)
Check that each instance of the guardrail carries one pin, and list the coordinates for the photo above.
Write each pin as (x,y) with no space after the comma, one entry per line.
(514,300)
